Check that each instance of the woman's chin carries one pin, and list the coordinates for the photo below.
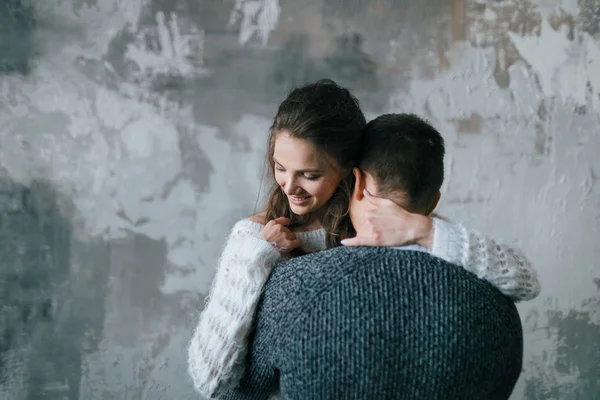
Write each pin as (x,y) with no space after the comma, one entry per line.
(300,211)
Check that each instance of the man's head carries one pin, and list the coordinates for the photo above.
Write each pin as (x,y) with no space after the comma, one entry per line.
(403,160)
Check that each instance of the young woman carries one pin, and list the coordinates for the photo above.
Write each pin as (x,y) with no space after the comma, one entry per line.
(312,147)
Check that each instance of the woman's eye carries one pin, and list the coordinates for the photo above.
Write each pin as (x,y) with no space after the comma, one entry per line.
(279,169)
(312,177)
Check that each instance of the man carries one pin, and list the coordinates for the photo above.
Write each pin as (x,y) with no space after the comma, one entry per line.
(384,323)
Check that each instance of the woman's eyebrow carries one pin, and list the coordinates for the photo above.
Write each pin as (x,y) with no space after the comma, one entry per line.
(302,171)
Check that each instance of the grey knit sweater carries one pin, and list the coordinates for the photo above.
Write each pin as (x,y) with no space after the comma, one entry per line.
(380,323)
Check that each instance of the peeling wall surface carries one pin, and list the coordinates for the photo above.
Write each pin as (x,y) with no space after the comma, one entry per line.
(132,137)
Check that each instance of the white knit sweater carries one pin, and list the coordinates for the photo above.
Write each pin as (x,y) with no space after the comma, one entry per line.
(217,351)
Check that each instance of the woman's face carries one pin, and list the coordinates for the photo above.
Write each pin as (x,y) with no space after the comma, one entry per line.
(307,178)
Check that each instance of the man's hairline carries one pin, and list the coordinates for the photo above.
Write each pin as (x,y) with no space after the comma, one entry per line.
(395,194)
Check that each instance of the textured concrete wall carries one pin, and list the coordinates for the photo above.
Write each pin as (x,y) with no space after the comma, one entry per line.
(132,136)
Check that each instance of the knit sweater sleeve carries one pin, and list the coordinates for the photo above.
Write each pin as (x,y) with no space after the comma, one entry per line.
(505,267)
(217,350)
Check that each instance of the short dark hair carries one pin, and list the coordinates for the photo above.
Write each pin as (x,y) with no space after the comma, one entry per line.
(405,155)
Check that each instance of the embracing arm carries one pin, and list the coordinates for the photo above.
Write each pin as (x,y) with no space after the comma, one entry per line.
(503,266)
(217,350)
(388,224)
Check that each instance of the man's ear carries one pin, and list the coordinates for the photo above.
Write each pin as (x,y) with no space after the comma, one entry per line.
(434,204)
(359,184)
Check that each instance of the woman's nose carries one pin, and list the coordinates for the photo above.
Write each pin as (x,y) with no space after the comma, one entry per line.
(290,186)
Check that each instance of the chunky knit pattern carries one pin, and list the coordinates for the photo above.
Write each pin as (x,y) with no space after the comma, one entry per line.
(503,266)
(378,323)
(218,347)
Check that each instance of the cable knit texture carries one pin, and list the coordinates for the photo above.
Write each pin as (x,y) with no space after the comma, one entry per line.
(218,349)
(505,267)
(216,353)
(378,323)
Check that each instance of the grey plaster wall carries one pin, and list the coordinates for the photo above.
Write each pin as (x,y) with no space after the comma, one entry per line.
(132,136)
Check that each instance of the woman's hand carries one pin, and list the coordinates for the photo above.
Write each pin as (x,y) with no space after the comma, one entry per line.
(276,233)
(390,225)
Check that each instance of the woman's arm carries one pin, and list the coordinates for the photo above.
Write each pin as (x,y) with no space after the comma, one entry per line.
(217,350)
(503,266)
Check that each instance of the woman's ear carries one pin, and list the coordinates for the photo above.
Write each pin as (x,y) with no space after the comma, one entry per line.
(359,184)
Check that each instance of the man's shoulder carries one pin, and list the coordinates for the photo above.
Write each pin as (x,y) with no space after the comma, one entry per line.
(352,256)
(298,284)
(365,275)
(325,268)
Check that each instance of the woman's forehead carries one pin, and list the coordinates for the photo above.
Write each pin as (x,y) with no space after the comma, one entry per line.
(295,152)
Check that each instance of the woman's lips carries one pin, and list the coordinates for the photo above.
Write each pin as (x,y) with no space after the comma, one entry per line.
(299,200)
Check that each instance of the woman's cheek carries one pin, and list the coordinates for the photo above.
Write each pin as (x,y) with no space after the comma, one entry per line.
(324,187)
(331,184)
(279,179)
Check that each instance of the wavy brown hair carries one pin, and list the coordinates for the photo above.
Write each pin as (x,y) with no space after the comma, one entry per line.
(329,118)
